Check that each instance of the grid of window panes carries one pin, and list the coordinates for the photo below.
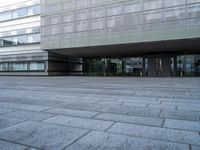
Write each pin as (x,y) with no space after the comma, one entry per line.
(76,23)
(22,66)
(19,13)
(19,37)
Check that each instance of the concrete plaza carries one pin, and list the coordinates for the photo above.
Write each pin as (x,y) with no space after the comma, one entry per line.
(96,113)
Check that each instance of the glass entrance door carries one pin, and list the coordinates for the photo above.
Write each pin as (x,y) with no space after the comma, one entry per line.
(158,66)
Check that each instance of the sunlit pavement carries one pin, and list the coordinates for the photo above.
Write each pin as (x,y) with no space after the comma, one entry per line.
(96,113)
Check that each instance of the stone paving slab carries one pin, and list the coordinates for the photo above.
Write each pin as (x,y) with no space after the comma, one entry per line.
(122,109)
(90,124)
(100,113)
(156,133)
(72,112)
(182,124)
(105,141)
(24,106)
(180,114)
(29,115)
(8,121)
(4,145)
(194,147)
(81,105)
(131,119)
(40,135)
(5,110)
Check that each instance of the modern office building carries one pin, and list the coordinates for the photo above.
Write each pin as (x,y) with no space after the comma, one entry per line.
(102,37)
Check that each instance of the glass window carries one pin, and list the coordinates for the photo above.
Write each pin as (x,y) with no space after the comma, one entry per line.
(20,66)
(5,16)
(20,39)
(34,10)
(22,12)
(37,66)
(33,38)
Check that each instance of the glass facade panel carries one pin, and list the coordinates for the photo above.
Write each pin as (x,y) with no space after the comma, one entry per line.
(37,66)
(5,16)
(34,10)
(22,12)
(34,38)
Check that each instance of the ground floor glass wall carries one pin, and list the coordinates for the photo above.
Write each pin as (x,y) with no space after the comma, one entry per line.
(181,65)
(22,66)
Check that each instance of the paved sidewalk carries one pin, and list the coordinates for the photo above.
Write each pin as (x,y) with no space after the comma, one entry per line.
(96,113)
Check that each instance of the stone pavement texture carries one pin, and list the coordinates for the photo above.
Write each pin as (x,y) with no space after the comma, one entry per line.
(96,113)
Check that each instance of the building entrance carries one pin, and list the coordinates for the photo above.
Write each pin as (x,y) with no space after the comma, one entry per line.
(159,66)
(152,66)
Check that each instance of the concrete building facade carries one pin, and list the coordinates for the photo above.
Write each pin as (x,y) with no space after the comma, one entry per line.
(165,34)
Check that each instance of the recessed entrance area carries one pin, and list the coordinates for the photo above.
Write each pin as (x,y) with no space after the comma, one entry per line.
(152,66)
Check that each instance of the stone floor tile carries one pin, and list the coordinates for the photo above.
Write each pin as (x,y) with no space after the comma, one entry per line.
(131,119)
(8,121)
(182,124)
(80,122)
(4,145)
(28,115)
(105,141)
(40,135)
(156,133)
(72,112)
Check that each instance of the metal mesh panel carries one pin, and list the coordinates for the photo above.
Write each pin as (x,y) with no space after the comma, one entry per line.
(174,13)
(193,28)
(174,30)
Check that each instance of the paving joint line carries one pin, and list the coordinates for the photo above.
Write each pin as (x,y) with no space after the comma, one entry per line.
(14,142)
(77,139)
